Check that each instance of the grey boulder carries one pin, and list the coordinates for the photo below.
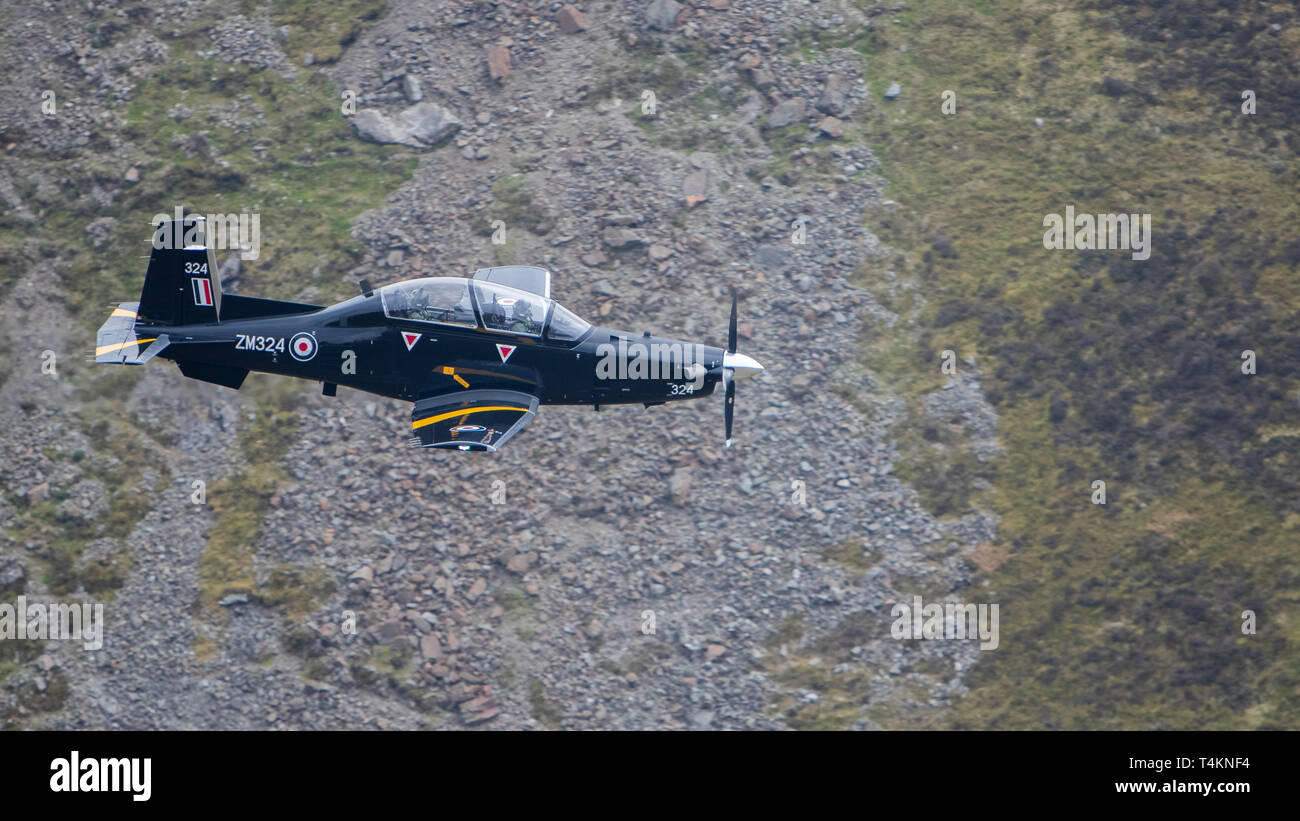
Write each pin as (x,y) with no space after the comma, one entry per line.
(421,126)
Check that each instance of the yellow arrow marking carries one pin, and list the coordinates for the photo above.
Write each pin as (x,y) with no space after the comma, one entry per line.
(450,371)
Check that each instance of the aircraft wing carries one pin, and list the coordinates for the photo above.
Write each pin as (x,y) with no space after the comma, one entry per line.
(471,420)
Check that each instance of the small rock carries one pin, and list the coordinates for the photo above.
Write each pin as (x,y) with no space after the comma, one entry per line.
(430,647)
(679,486)
(620,219)
(498,60)
(38,494)
(521,562)
(661,14)
(832,99)
(364,574)
(787,112)
(411,88)
(893,91)
(100,231)
(621,238)
(476,589)
(762,78)
(695,188)
(390,629)
(570,19)
(832,127)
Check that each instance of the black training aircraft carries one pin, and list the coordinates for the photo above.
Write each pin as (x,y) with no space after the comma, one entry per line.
(476,356)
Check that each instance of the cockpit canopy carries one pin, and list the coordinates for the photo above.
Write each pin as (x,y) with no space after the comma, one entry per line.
(476,303)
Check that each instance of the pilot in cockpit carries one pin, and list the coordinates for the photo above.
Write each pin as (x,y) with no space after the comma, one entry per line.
(522,321)
(417,300)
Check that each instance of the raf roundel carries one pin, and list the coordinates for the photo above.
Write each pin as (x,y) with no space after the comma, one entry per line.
(302,347)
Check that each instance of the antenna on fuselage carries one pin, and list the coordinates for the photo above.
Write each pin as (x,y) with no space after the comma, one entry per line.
(366,290)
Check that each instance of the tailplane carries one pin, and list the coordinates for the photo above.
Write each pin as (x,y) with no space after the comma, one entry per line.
(119,343)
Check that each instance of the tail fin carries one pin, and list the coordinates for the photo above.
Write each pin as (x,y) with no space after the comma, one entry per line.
(181,286)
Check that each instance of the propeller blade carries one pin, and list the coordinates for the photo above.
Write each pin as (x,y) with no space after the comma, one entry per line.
(730,407)
(731,330)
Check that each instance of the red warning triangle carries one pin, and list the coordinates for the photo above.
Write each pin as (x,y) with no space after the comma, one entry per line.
(410,339)
(505,351)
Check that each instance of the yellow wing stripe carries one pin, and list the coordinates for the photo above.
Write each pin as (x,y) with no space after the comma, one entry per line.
(429,420)
(103,349)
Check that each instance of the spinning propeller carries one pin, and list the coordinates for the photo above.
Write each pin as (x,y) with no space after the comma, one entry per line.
(734,365)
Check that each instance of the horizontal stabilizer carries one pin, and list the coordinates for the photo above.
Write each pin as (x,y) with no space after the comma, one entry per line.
(117,342)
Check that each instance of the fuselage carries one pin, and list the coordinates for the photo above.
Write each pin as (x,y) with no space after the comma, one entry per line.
(368,344)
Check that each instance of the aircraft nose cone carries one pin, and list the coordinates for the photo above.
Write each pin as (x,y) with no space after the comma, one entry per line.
(740,364)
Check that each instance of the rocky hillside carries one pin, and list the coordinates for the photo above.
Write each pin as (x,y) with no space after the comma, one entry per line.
(232,613)
(656,155)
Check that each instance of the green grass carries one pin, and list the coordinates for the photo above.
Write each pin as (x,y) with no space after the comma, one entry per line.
(322,29)
(1099,366)
(298,591)
(241,501)
(123,456)
(808,667)
(852,554)
(543,710)
(515,204)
